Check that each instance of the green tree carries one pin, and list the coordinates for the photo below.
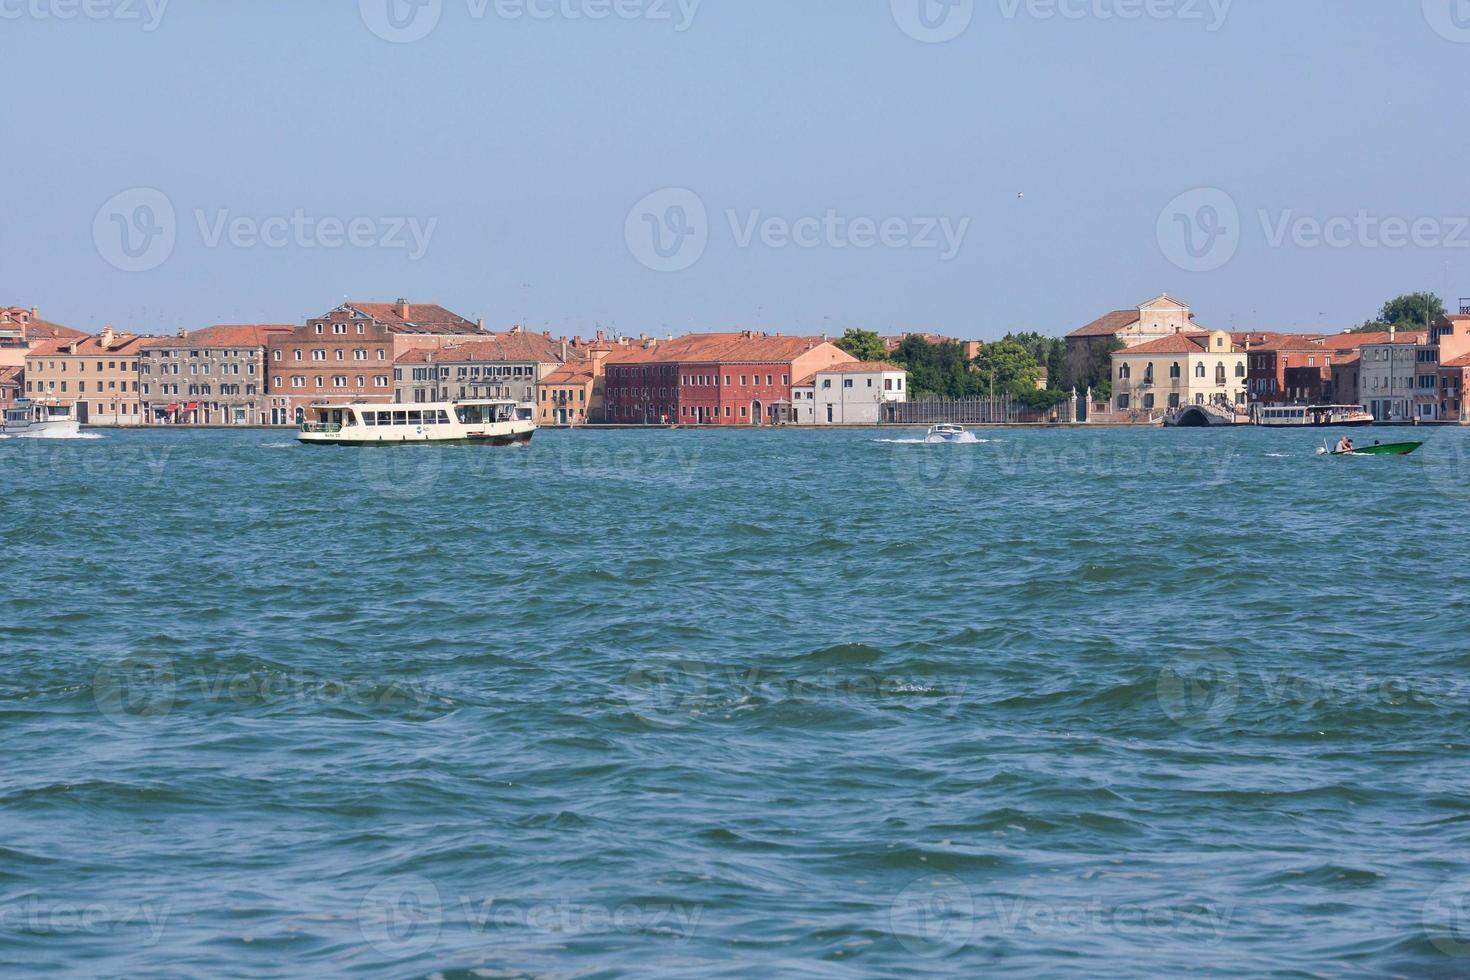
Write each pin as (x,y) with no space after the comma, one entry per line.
(1097,371)
(865,345)
(1412,311)
(1007,368)
(937,370)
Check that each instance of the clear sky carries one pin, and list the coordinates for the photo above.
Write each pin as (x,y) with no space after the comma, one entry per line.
(806,165)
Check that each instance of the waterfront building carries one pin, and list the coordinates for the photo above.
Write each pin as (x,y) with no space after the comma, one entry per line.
(99,374)
(11,383)
(848,394)
(348,355)
(1154,319)
(1454,377)
(213,376)
(22,329)
(1346,369)
(499,365)
(1180,370)
(713,379)
(1388,375)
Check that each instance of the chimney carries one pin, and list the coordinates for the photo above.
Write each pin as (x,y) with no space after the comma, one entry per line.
(546,334)
(107,337)
(481,324)
(600,336)
(404,309)
(183,332)
(35,314)
(516,328)
(563,350)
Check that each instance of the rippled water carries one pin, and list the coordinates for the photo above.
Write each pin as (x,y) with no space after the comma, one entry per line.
(735,703)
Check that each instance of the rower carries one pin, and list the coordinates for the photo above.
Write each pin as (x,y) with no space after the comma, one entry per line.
(1344,445)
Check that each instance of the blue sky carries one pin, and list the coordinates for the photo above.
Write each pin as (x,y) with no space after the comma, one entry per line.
(809,165)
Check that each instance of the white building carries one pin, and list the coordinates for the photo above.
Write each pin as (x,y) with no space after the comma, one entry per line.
(848,394)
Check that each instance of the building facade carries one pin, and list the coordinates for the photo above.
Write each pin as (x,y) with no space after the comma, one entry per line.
(22,329)
(500,365)
(714,379)
(213,376)
(1154,319)
(1388,378)
(848,394)
(1179,371)
(349,354)
(98,374)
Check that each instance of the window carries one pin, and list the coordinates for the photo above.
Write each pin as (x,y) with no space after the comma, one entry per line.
(1199,370)
(1148,401)
(1125,372)
(1240,369)
(847,382)
(1220,374)
(1174,371)
(1148,374)
(1122,401)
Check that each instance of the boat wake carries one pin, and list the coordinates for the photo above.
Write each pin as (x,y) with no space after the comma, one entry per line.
(968,439)
(86,436)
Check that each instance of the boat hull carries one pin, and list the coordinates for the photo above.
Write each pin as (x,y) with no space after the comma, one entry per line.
(61,429)
(1392,449)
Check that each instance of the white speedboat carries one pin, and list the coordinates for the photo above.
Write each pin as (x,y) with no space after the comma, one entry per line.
(493,423)
(949,433)
(45,418)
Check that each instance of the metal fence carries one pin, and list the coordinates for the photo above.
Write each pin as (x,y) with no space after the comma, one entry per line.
(975,411)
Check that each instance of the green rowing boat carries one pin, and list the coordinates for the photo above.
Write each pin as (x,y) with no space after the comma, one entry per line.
(1377,449)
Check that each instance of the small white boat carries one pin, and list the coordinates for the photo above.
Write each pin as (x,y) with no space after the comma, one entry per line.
(45,418)
(949,433)
(491,423)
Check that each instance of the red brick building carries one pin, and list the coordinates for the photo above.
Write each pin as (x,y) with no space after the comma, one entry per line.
(348,354)
(1297,369)
(713,379)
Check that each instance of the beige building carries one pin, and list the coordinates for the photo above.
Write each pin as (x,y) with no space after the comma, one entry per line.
(499,365)
(1178,371)
(214,376)
(22,329)
(1154,319)
(99,374)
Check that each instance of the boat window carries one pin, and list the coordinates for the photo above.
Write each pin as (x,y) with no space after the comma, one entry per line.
(400,418)
(415,418)
(370,418)
(443,417)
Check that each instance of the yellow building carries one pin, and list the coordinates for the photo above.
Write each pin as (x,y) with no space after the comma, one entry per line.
(99,374)
(1177,371)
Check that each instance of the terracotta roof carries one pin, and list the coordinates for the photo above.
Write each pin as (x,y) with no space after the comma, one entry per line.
(724,348)
(11,375)
(1107,325)
(123,344)
(807,382)
(510,346)
(1354,341)
(1179,343)
(34,327)
(860,367)
(1459,362)
(422,318)
(224,335)
(572,374)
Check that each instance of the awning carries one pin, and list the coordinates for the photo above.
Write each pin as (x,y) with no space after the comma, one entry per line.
(174,407)
(191,407)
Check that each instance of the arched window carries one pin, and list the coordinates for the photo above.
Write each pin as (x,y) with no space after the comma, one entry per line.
(1220,374)
(1240,369)
(1199,370)
(1174,370)
(1148,374)
(1125,372)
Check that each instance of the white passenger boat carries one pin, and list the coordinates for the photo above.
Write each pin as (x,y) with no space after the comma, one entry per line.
(1285,416)
(949,433)
(44,418)
(493,423)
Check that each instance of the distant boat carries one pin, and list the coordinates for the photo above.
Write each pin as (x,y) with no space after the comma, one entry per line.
(1379,449)
(44,418)
(1313,415)
(949,433)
